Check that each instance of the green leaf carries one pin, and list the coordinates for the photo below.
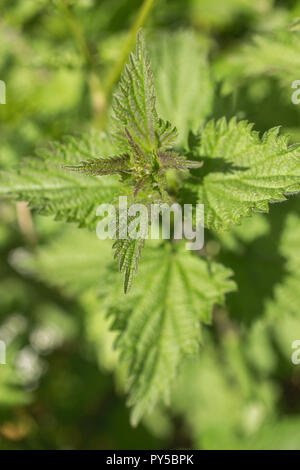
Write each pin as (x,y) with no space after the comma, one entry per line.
(80,258)
(242,172)
(128,251)
(160,321)
(103,166)
(167,134)
(52,191)
(274,54)
(134,105)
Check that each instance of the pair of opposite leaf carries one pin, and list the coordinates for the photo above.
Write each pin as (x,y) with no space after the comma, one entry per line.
(144,142)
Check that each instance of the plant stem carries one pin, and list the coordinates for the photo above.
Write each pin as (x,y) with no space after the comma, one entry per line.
(97,95)
(101,98)
(77,33)
(26,223)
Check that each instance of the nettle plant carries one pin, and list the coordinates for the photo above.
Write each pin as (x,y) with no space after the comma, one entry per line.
(227,167)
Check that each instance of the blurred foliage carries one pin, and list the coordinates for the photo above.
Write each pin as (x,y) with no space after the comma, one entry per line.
(63,384)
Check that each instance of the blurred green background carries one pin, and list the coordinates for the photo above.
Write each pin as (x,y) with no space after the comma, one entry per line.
(63,386)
